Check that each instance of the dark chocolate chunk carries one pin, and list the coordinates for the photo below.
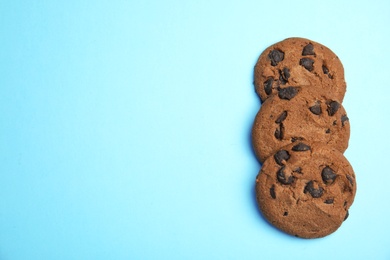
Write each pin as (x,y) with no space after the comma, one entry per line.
(268,86)
(307,63)
(272,192)
(333,106)
(296,138)
(328,175)
(301,147)
(329,201)
(287,93)
(282,178)
(344,119)
(279,132)
(281,117)
(284,75)
(315,193)
(350,179)
(346,215)
(298,170)
(281,127)
(276,56)
(280,156)
(316,109)
(325,69)
(308,50)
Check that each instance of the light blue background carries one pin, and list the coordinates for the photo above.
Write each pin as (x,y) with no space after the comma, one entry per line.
(124,127)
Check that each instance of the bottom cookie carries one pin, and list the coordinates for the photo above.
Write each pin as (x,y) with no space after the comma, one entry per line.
(306,189)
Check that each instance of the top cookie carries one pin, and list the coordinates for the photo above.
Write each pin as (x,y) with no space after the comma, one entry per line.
(299,62)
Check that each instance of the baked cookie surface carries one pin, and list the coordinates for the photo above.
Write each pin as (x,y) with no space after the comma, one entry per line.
(306,189)
(296,113)
(299,62)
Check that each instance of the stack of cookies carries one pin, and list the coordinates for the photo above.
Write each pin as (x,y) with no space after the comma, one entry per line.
(306,185)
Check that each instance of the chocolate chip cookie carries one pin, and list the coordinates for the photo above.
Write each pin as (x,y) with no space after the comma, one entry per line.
(299,62)
(298,113)
(306,189)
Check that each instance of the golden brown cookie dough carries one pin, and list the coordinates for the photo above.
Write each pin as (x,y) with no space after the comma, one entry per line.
(306,189)
(296,113)
(299,62)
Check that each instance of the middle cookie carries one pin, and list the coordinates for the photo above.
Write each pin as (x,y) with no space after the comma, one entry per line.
(299,114)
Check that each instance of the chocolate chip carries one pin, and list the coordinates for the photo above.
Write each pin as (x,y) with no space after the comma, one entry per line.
(307,63)
(327,131)
(272,192)
(328,175)
(344,119)
(308,50)
(282,178)
(279,132)
(281,117)
(268,86)
(296,138)
(346,215)
(301,147)
(325,69)
(316,109)
(350,179)
(284,75)
(287,93)
(298,170)
(280,156)
(315,193)
(333,106)
(276,56)
(329,201)
(285,213)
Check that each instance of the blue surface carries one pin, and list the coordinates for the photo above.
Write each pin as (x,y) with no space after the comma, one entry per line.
(124,127)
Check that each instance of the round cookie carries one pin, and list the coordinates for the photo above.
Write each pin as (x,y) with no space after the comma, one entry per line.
(299,62)
(306,189)
(299,114)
